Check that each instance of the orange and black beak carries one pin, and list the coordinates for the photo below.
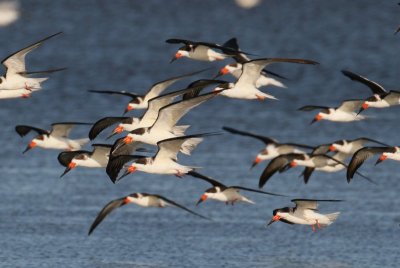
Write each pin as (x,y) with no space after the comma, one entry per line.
(274,219)
(221,72)
(178,55)
(202,199)
(316,119)
(117,130)
(363,107)
(31,145)
(130,170)
(128,140)
(381,159)
(256,162)
(71,165)
(127,200)
(128,108)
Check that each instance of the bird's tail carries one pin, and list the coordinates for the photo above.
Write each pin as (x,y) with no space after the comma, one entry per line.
(245,199)
(82,142)
(189,145)
(180,130)
(268,96)
(273,82)
(332,217)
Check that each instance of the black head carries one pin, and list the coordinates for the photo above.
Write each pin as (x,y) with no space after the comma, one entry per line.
(139,131)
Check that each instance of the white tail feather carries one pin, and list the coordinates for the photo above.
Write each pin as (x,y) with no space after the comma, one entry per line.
(180,130)
(189,145)
(267,81)
(332,217)
(245,199)
(81,142)
(265,95)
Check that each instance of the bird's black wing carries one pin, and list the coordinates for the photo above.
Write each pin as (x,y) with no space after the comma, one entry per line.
(181,207)
(107,209)
(123,93)
(104,123)
(308,108)
(64,158)
(375,87)
(360,156)
(116,163)
(207,179)
(254,190)
(266,140)
(22,130)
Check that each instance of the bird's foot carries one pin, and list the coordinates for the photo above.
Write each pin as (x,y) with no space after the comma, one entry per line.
(318,225)
(28,87)
(26,95)
(261,98)
(313,228)
(179,174)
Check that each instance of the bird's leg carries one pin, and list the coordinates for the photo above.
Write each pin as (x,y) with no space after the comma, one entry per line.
(318,225)
(234,201)
(25,95)
(226,203)
(28,87)
(313,228)
(179,174)
(261,98)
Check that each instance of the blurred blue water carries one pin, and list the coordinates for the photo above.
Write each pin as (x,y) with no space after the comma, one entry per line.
(120,45)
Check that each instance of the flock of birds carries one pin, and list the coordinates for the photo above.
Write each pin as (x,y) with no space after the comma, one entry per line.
(158,127)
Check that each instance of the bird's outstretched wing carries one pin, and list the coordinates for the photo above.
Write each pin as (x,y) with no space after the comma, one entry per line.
(15,63)
(107,209)
(23,130)
(375,87)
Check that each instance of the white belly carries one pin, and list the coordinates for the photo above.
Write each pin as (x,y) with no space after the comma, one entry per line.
(167,167)
(379,104)
(16,93)
(91,163)
(339,116)
(155,136)
(17,82)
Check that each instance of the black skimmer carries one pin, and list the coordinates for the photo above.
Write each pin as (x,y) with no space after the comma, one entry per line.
(272,149)
(202,51)
(141,101)
(320,162)
(165,161)
(367,152)
(305,212)
(98,158)
(151,114)
(351,146)
(57,138)
(381,97)
(17,77)
(235,69)
(165,125)
(223,193)
(343,113)
(140,199)
(245,87)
